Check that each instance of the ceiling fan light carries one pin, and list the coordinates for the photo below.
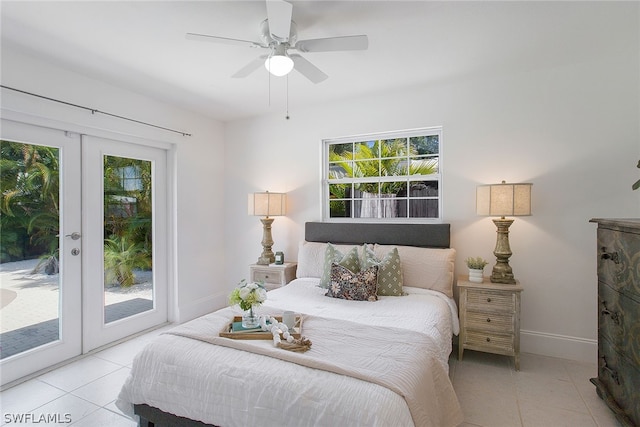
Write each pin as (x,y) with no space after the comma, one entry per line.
(279,65)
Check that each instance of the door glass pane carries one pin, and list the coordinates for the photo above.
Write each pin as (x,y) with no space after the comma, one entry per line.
(128,257)
(29,242)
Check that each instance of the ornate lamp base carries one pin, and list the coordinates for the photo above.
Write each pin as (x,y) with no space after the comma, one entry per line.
(502,272)
(267,257)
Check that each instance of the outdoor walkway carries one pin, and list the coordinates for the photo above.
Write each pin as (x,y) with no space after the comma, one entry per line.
(29,306)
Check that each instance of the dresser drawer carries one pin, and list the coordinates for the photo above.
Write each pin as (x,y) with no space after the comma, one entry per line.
(618,321)
(482,321)
(490,300)
(619,260)
(488,341)
(620,379)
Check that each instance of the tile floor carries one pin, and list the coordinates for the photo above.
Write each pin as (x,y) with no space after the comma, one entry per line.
(545,392)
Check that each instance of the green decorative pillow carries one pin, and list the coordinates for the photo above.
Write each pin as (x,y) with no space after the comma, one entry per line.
(389,270)
(331,255)
(360,286)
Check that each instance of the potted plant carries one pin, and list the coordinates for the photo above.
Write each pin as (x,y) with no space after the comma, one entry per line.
(476,268)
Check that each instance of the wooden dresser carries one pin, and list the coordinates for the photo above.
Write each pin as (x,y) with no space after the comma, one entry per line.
(618,382)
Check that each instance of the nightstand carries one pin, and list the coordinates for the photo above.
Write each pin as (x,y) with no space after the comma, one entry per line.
(273,275)
(490,318)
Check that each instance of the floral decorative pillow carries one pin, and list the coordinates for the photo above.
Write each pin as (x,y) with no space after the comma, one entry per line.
(360,286)
(389,270)
(332,254)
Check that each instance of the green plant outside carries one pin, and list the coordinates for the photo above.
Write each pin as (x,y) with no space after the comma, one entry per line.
(30,212)
(127,219)
(380,158)
(29,204)
(121,257)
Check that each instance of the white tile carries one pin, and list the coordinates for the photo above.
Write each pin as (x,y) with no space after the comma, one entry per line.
(550,391)
(535,414)
(545,366)
(599,410)
(67,409)
(114,408)
(105,418)
(488,408)
(486,359)
(484,377)
(123,353)
(154,333)
(105,389)
(79,373)
(28,396)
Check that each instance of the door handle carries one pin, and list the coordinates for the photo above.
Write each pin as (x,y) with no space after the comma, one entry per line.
(74,236)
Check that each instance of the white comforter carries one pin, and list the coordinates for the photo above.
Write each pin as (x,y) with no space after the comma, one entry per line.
(225,387)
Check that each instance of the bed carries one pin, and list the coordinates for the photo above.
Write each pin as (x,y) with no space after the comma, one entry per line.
(374,363)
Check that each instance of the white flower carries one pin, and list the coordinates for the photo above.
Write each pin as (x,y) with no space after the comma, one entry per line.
(261,295)
(244,292)
(252,285)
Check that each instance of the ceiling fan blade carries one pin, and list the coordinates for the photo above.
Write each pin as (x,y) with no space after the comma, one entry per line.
(331,44)
(250,67)
(307,69)
(279,16)
(224,40)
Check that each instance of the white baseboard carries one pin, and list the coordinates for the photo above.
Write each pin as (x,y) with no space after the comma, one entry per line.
(201,307)
(562,346)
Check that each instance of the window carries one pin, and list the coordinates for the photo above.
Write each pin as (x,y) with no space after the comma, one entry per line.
(394,175)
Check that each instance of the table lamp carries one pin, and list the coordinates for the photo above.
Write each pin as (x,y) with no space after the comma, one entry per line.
(268,205)
(503,200)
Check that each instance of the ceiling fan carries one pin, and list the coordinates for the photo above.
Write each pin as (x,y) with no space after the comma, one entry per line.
(279,34)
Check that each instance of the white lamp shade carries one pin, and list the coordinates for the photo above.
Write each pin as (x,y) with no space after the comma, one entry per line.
(279,65)
(267,204)
(503,199)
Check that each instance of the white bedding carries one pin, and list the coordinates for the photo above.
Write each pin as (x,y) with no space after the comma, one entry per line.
(226,387)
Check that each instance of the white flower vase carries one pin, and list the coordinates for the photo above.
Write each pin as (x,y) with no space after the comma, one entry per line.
(250,319)
(475,275)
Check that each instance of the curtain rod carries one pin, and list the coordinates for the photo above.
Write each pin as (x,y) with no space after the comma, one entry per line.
(94,111)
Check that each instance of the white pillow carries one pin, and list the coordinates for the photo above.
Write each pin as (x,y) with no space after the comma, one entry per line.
(311,258)
(426,268)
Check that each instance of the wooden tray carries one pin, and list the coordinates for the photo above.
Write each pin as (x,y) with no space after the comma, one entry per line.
(241,335)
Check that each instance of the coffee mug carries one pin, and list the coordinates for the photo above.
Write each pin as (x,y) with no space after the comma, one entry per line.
(289,319)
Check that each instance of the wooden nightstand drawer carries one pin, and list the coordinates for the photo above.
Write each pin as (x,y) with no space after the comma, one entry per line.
(486,341)
(491,300)
(267,276)
(481,321)
(273,275)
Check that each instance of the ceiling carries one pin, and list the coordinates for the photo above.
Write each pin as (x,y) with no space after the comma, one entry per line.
(141,46)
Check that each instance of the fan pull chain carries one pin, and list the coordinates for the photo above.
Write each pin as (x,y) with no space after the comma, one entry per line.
(269,89)
(287,116)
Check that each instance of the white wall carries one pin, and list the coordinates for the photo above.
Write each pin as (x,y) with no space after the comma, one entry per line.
(572,130)
(197,162)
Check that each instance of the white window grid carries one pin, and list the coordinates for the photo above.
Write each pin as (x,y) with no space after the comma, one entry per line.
(408,179)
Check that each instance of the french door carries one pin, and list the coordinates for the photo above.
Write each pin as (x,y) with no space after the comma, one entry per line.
(84,245)
(124,226)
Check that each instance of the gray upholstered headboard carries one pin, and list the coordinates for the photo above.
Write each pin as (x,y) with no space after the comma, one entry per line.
(421,235)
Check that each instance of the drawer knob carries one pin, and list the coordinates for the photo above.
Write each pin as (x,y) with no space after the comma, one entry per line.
(607,369)
(488,299)
(613,256)
(615,316)
(488,319)
(488,339)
